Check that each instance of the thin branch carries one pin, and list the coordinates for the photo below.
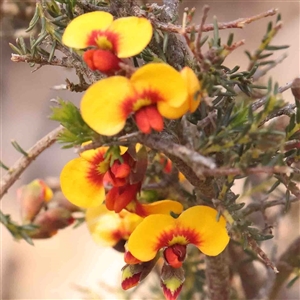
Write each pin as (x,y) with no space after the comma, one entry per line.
(192,158)
(239,23)
(262,206)
(287,110)
(41,60)
(290,185)
(260,102)
(209,119)
(198,53)
(254,246)
(22,163)
(225,171)
(261,72)
(286,264)
(89,7)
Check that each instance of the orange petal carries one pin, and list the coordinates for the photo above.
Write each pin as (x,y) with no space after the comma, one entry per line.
(193,86)
(76,186)
(78,30)
(101,105)
(153,77)
(213,234)
(134,34)
(144,241)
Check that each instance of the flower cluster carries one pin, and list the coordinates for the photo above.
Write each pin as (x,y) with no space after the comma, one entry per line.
(197,225)
(114,175)
(153,92)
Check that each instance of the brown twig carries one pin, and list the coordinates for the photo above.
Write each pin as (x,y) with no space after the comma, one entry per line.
(287,262)
(290,185)
(287,110)
(89,7)
(260,102)
(22,163)
(239,23)
(42,60)
(263,205)
(261,72)
(192,158)
(225,171)
(198,53)
(255,248)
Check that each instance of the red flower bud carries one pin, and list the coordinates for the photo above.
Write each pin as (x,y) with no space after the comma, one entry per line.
(171,281)
(50,221)
(130,259)
(102,60)
(32,198)
(132,275)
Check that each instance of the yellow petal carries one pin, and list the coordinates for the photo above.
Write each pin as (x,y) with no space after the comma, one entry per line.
(77,188)
(162,207)
(134,34)
(79,29)
(144,241)
(163,80)
(101,105)
(172,112)
(212,233)
(193,85)
(90,154)
(102,224)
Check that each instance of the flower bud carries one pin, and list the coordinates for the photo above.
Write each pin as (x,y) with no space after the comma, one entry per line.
(50,221)
(102,60)
(32,198)
(132,275)
(171,281)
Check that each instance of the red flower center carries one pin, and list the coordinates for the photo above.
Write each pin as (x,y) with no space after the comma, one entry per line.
(175,255)
(148,118)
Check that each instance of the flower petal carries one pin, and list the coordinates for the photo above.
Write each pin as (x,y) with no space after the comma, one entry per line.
(134,34)
(154,76)
(193,86)
(103,224)
(144,241)
(76,186)
(164,207)
(101,105)
(213,234)
(78,30)
(89,155)
(171,112)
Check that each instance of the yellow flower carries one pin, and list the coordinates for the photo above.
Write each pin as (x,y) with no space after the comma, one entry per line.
(197,225)
(82,178)
(154,91)
(111,39)
(109,228)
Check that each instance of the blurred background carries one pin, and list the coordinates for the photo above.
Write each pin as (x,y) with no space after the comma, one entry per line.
(56,267)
